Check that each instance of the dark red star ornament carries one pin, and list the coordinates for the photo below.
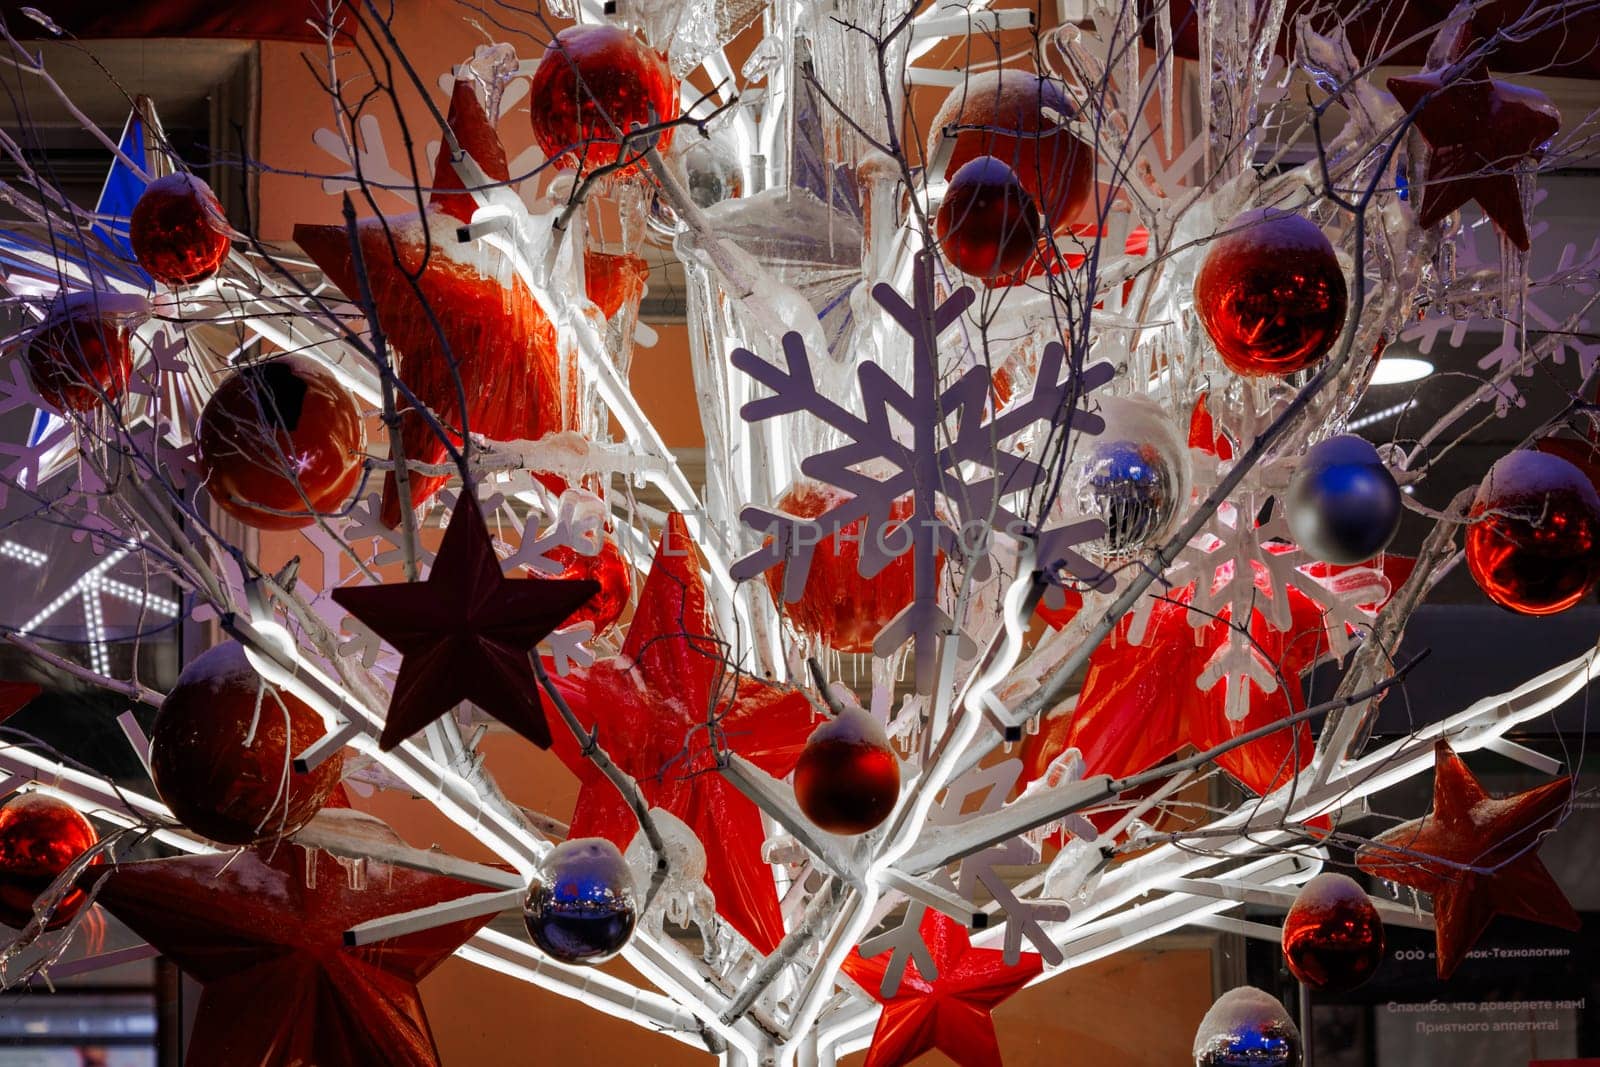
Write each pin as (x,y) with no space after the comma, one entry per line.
(651,705)
(1477,856)
(467,313)
(263,933)
(14,696)
(466,633)
(950,1013)
(1477,130)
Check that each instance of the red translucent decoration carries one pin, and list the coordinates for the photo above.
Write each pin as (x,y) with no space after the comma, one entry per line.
(609,570)
(178,230)
(222,751)
(1270,293)
(949,1011)
(1477,856)
(595,84)
(280,443)
(838,606)
(1004,113)
(848,778)
(1333,935)
(988,225)
(263,932)
(651,703)
(476,332)
(80,356)
(39,838)
(1532,533)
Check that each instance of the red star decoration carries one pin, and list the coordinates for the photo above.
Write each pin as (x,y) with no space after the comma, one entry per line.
(1140,705)
(483,317)
(651,704)
(14,696)
(1477,856)
(466,633)
(1477,129)
(263,932)
(949,1013)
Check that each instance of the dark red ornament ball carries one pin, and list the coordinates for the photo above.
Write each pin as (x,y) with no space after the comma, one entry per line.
(1333,935)
(178,230)
(988,225)
(281,441)
(1532,534)
(80,356)
(839,607)
(222,748)
(1271,294)
(40,837)
(610,569)
(1013,116)
(595,84)
(848,778)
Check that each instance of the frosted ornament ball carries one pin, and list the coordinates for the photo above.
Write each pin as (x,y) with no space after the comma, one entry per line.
(1247,1027)
(1134,475)
(582,907)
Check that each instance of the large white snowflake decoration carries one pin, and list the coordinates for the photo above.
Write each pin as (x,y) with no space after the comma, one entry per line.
(963,481)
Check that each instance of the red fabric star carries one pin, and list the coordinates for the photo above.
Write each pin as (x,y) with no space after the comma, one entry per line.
(949,1013)
(466,633)
(263,932)
(651,704)
(1477,129)
(1139,704)
(1477,856)
(484,318)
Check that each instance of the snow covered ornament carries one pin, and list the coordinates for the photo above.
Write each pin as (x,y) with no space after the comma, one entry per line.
(965,483)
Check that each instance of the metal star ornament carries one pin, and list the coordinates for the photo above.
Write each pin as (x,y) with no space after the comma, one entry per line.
(466,632)
(1477,856)
(1477,130)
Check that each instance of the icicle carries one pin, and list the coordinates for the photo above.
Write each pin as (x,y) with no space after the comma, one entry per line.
(1168,60)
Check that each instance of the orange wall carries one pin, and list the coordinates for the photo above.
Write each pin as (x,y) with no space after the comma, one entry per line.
(1104,1012)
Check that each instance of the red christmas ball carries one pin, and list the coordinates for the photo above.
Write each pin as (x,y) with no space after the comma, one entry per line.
(839,607)
(178,230)
(281,441)
(1270,293)
(1006,115)
(594,85)
(222,751)
(1532,534)
(988,225)
(610,569)
(1333,935)
(848,778)
(39,838)
(79,355)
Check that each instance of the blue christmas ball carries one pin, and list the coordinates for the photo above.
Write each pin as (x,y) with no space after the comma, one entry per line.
(1247,1027)
(1343,504)
(582,907)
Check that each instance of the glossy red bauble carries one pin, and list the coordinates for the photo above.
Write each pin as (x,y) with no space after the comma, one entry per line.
(610,569)
(79,356)
(178,231)
(222,751)
(1533,532)
(1333,935)
(848,778)
(281,442)
(988,225)
(39,838)
(1005,114)
(1271,294)
(594,85)
(839,607)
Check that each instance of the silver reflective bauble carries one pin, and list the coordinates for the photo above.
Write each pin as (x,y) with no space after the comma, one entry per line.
(1247,1027)
(1134,476)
